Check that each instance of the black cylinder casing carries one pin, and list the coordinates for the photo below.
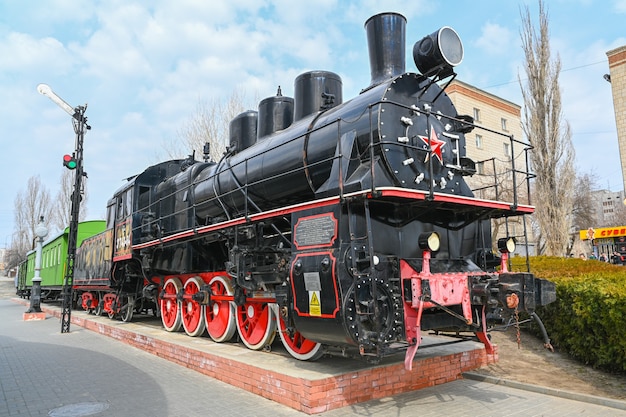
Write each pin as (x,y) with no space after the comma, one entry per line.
(315,91)
(275,113)
(243,130)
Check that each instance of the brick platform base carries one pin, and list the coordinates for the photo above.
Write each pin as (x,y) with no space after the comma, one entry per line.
(310,387)
(34,316)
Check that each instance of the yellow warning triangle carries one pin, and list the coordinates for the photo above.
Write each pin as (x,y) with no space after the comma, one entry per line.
(314,300)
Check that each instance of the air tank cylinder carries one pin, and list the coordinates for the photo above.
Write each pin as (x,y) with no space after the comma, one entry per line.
(315,91)
(275,113)
(243,131)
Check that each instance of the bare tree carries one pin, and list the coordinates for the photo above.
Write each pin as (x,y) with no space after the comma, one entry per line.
(29,206)
(543,124)
(582,204)
(209,123)
(61,211)
(583,215)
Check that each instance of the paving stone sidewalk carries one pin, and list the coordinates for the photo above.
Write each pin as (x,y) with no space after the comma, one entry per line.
(81,373)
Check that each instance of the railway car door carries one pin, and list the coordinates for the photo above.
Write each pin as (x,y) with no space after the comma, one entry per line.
(123,226)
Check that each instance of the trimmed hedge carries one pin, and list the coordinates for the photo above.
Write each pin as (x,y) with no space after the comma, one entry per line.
(588,320)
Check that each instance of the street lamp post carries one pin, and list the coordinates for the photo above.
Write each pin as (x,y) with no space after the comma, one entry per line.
(41,231)
(80,124)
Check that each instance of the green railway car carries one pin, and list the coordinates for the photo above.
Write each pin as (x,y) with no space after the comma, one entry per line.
(53,261)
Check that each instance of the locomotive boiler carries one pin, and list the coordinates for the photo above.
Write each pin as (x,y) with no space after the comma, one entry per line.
(345,227)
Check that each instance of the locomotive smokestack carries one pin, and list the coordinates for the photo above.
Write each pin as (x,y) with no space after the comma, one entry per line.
(386,45)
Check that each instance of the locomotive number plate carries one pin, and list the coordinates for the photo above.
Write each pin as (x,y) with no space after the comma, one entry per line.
(320,230)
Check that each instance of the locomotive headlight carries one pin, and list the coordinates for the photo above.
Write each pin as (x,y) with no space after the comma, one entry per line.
(439,51)
(429,240)
(506,244)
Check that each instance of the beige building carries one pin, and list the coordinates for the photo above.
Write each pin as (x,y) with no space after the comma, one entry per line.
(497,137)
(617,68)
(498,148)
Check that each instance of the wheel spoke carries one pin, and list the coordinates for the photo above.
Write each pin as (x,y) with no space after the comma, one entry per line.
(192,313)
(99,305)
(87,299)
(256,324)
(128,307)
(169,306)
(110,304)
(220,314)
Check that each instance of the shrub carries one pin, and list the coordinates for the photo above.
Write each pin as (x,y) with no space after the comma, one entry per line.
(588,319)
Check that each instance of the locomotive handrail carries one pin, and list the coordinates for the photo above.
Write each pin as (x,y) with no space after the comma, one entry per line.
(371,145)
(495,182)
(512,169)
(247,199)
(529,175)
(501,207)
(512,142)
(218,196)
(340,159)
(431,186)
(305,147)
(217,172)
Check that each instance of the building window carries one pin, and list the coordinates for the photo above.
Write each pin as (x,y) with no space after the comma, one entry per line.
(476,114)
(503,120)
(479,141)
(480,168)
(507,150)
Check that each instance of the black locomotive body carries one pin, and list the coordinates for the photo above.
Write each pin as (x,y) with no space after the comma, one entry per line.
(347,226)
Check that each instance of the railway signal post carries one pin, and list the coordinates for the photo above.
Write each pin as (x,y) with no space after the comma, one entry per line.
(80,125)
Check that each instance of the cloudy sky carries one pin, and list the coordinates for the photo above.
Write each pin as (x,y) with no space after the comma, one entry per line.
(143,67)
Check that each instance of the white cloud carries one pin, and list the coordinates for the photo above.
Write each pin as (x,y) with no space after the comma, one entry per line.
(619,6)
(496,39)
(24,53)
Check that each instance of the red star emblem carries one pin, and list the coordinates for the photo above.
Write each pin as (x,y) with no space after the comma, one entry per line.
(436,145)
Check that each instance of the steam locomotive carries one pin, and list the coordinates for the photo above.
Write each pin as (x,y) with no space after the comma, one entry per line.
(345,227)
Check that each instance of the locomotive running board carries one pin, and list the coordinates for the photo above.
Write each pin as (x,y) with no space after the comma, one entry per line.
(504,206)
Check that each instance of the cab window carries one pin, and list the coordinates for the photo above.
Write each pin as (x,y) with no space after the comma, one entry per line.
(110,215)
(120,207)
(128,200)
